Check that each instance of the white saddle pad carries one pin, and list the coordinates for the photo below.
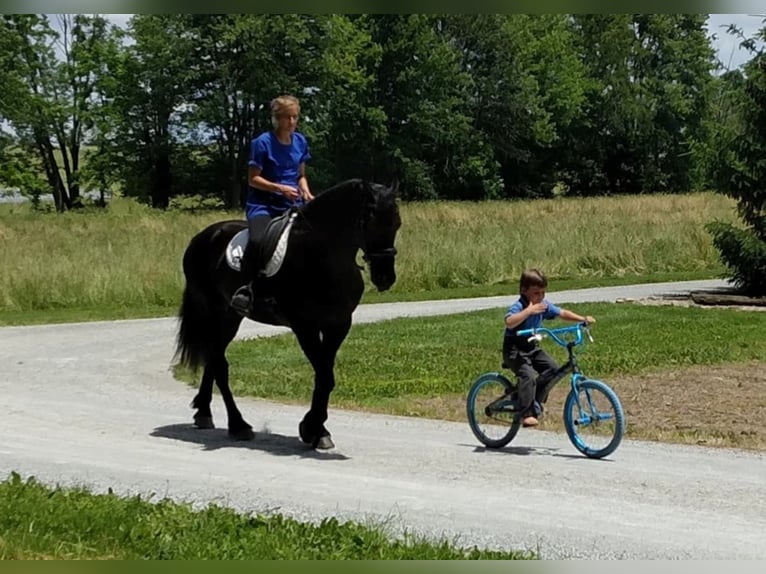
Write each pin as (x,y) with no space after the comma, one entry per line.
(235,250)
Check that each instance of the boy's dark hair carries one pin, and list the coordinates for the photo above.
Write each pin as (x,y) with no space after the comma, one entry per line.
(532,278)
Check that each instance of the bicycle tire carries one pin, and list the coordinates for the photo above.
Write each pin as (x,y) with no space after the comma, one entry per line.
(577,418)
(507,423)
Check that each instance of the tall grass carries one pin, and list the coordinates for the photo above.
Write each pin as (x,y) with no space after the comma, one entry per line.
(130,255)
(458,244)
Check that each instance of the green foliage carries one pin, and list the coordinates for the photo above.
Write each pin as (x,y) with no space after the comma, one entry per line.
(194,203)
(744,253)
(646,97)
(456,106)
(51,100)
(37,521)
(741,174)
(721,127)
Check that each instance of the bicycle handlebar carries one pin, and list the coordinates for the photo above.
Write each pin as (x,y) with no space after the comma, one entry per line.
(541,332)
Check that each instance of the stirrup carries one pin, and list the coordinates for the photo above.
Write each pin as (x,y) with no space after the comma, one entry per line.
(242,300)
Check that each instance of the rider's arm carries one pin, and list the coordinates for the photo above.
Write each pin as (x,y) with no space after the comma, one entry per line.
(257,180)
(303,183)
(515,319)
(570,316)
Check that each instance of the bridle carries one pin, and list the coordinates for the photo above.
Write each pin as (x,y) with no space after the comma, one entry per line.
(367,255)
(387,252)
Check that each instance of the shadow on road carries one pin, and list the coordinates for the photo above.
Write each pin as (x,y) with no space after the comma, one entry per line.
(530,450)
(517,450)
(273,443)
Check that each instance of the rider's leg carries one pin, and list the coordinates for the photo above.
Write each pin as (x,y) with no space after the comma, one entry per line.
(522,367)
(543,363)
(242,299)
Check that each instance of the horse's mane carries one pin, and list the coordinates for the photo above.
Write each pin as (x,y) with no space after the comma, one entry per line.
(342,199)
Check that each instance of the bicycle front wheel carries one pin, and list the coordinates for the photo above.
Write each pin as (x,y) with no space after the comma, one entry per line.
(594,419)
(491,417)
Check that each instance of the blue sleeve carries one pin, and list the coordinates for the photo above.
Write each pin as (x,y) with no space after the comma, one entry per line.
(552,312)
(258,153)
(305,154)
(513,309)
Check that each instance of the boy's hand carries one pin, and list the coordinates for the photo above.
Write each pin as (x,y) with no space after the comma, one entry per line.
(538,308)
(589,319)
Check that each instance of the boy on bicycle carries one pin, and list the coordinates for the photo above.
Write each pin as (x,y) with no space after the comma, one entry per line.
(526,358)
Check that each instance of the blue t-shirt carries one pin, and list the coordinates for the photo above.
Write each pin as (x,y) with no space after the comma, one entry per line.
(279,163)
(533,321)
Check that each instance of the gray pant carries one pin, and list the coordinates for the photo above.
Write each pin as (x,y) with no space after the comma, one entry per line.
(526,362)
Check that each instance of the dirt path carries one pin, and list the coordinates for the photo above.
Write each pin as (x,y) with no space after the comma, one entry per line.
(95,404)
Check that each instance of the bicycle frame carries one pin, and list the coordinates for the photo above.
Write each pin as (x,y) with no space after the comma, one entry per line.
(583,410)
(571,365)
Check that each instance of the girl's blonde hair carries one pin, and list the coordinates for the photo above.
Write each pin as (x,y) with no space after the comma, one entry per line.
(281,104)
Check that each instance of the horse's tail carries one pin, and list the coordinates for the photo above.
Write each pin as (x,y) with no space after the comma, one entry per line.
(193,328)
(196,314)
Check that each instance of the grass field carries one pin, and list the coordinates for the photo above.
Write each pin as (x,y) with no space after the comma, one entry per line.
(126,262)
(42,523)
(684,374)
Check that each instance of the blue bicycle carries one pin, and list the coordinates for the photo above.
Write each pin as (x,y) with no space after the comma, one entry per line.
(593,416)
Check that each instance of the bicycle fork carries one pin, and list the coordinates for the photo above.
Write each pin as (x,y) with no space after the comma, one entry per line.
(587,413)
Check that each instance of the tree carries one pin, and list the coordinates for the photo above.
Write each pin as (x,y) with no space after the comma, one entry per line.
(28,90)
(425,93)
(527,89)
(150,91)
(741,174)
(647,89)
(49,97)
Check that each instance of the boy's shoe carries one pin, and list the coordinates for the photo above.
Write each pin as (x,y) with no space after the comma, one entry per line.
(529,421)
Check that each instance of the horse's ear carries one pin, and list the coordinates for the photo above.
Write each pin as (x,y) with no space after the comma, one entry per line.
(395,187)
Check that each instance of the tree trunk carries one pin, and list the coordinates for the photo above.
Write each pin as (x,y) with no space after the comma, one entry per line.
(161,180)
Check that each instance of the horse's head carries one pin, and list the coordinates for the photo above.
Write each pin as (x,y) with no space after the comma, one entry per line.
(379,227)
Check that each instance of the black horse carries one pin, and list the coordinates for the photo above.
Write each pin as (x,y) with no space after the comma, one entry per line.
(315,292)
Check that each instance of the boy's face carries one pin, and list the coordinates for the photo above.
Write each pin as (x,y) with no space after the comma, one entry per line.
(534,294)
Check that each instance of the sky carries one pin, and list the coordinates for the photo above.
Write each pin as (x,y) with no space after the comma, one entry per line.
(727,45)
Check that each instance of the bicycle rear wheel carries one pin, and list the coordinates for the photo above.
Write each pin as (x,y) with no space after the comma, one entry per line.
(492,419)
(594,419)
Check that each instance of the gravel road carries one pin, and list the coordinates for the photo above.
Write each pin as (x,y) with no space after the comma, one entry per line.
(95,404)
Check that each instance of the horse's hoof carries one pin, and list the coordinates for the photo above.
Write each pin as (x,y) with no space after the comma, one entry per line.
(204,422)
(324,443)
(245,433)
(321,441)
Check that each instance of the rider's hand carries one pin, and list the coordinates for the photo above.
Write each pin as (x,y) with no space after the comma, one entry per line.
(538,308)
(288,191)
(589,319)
(307,195)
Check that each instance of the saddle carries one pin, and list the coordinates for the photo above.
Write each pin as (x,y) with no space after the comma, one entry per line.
(272,246)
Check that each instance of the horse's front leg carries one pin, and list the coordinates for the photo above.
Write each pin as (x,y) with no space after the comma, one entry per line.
(320,347)
(203,418)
